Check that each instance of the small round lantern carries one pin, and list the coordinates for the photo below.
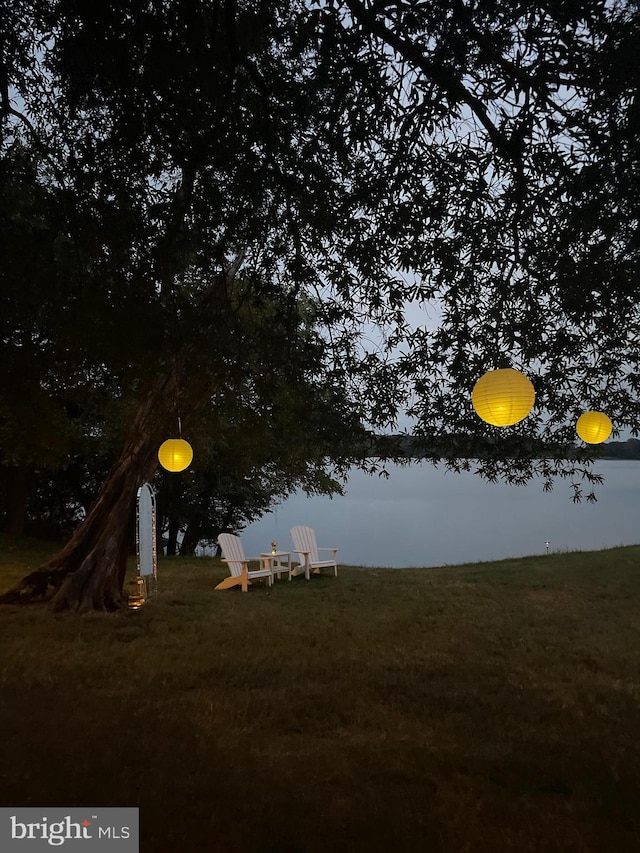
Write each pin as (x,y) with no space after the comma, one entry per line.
(175,454)
(594,427)
(503,397)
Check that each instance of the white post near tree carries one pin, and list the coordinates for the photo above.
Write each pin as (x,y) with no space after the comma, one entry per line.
(146,539)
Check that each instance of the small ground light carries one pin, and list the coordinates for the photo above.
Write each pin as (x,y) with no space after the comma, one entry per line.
(546,545)
(137,596)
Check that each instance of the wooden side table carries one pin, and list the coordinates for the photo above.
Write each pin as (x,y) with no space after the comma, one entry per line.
(274,561)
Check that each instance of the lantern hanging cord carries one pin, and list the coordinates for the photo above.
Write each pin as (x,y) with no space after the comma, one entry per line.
(177,367)
(495,356)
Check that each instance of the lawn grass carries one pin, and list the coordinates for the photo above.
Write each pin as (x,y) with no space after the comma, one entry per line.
(489,707)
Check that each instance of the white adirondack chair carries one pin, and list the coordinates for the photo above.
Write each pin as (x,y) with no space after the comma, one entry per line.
(233,556)
(304,543)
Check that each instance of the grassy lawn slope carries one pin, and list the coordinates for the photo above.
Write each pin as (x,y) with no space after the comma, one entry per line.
(489,707)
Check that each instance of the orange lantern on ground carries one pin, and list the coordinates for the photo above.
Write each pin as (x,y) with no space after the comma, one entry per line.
(594,427)
(175,454)
(503,397)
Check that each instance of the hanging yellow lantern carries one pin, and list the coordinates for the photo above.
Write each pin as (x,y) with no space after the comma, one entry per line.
(594,427)
(175,454)
(503,397)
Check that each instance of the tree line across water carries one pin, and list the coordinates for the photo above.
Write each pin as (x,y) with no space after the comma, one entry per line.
(418,447)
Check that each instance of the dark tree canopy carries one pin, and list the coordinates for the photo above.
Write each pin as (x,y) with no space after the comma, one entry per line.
(321,165)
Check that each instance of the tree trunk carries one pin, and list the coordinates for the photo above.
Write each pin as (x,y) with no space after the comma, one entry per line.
(192,535)
(88,573)
(172,538)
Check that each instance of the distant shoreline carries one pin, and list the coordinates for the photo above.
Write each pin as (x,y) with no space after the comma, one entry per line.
(416,447)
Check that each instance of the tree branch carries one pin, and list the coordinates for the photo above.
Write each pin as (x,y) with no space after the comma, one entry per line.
(415,56)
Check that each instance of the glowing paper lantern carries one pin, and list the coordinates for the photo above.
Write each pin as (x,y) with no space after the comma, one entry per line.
(175,454)
(594,427)
(503,397)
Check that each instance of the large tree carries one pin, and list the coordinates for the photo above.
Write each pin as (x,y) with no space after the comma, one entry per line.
(474,155)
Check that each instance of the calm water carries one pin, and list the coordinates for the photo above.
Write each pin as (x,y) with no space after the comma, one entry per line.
(426,517)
